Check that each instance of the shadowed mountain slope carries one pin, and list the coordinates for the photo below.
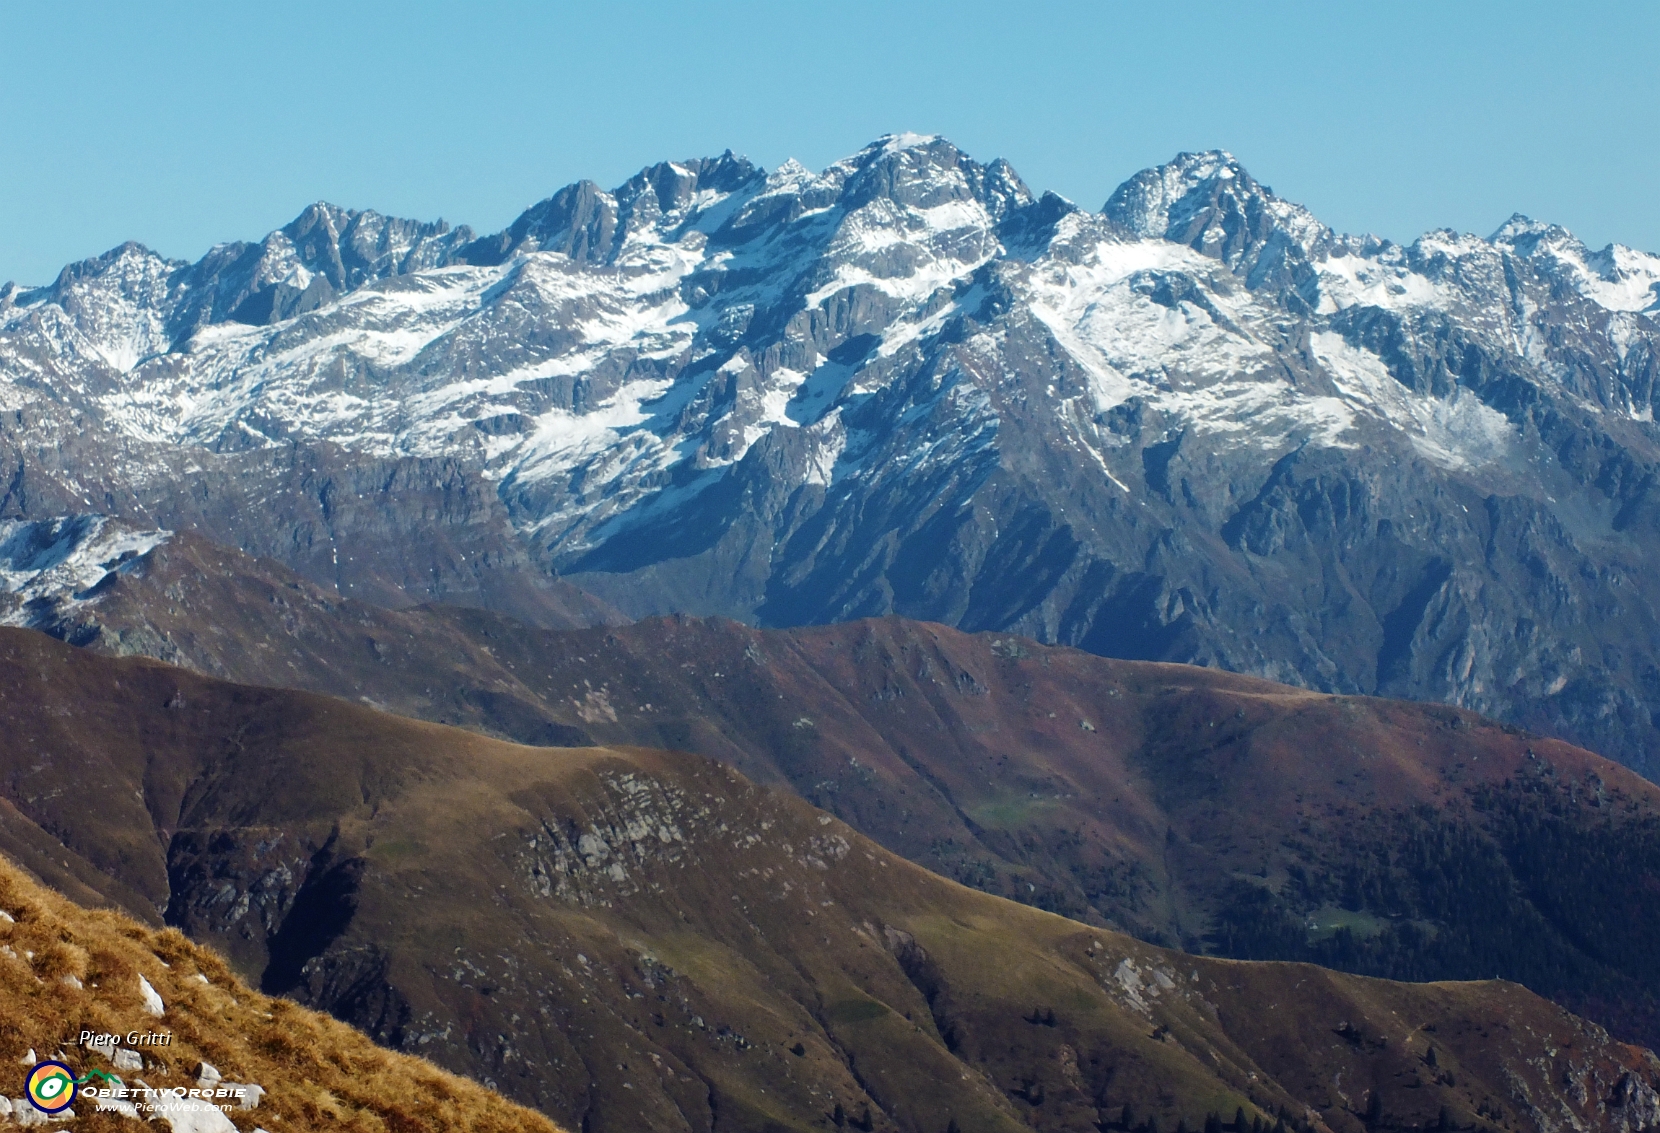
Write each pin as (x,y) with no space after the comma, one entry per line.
(631,939)
(1193,808)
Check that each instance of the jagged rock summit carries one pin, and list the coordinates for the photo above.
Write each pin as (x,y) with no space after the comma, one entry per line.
(1210,203)
(1198,426)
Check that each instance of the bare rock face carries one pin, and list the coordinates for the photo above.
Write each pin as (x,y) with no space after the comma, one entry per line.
(1197,426)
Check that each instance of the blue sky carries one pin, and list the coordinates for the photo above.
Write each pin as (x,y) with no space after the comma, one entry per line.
(183,124)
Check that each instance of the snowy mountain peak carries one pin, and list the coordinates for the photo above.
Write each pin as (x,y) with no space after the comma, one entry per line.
(351,246)
(1145,202)
(1520,228)
(1209,202)
(1616,278)
(904,140)
(789,171)
(896,384)
(117,303)
(125,262)
(926,171)
(324,252)
(590,225)
(663,199)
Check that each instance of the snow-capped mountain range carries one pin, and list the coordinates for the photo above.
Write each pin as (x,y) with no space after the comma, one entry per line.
(1197,425)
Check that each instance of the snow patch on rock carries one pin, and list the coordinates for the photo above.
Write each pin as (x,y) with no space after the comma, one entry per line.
(67,555)
(1458,432)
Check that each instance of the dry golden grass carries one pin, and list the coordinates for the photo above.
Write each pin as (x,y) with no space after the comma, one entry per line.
(317,1072)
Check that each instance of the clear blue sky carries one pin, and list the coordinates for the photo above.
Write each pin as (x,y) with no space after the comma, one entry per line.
(183,124)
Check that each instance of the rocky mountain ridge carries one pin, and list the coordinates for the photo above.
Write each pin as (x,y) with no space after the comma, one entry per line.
(1196,426)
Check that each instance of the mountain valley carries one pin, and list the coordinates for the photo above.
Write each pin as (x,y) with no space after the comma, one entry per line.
(634,939)
(1190,808)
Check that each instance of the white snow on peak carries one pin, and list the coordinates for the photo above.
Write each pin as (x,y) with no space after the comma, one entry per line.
(1446,269)
(1104,311)
(789,172)
(1617,278)
(939,244)
(1519,227)
(119,312)
(1162,202)
(585,389)
(1148,197)
(1450,244)
(1160,322)
(1218,163)
(895,143)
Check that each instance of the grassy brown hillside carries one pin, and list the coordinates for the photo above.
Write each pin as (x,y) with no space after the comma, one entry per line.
(635,939)
(1190,807)
(193,603)
(65,970)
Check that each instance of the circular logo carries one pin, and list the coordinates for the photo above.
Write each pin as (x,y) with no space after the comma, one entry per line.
(51,1087)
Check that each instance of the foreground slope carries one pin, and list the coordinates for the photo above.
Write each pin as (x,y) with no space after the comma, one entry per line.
(65,969)
(1193,808)
(634,939)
